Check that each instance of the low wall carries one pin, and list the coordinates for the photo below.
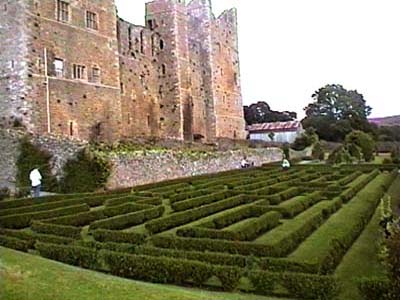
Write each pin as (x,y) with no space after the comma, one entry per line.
(148,167)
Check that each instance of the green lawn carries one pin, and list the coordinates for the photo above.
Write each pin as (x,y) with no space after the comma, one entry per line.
(29,277)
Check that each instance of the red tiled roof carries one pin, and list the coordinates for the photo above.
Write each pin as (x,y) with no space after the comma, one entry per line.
(275,127)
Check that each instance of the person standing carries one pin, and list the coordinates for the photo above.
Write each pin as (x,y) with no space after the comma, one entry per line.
(285,164)
(36,182)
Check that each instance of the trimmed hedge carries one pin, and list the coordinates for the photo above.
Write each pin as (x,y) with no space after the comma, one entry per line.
(53,239)
(17,203)
(102,235)
(196,202)
(194,194)
(177,219)
(15,243)
(357,185)
(125,209)
(375,288)
(24,220)
(170,270)
(298,285)
(111,246)
(128,220)
(80,219)
(326,247)
(298,204)
(19,234)
(60,230)
(72,255)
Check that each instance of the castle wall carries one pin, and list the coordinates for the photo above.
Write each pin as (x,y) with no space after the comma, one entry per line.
(88,107)
(14,105)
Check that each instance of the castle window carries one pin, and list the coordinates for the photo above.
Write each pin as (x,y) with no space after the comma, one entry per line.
(59,67)
(163,69)
(148,120)
(142,42)
(161,44)
(130,37)
(78,72)
(71,128)
(151,24)
(95,75)
(91,20)
(62,11)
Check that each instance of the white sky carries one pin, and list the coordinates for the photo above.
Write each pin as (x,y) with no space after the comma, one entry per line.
(290,48)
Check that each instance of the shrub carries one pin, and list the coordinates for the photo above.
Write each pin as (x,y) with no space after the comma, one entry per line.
(103,235)
(24,220)
(125,209)
(363,141)
(15,243)
(229,277)
(4,193)
(199,201)
(128,220)
(298,204)
(60,230)
(30,156)
(72,255)
(374,288)
(86,173)
(318,151)
(79,219)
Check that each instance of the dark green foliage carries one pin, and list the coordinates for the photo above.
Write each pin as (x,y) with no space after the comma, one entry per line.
(307,139)
(375,288)
(335,112)
(14,243)
(60,230)
(125,209)
(24,220)
(286,150)
(80,219)
(103,235)
(318,151)
(181,218)
(299,285)
(72,255)
(199,201)
(128,220)
(229,277)
(261,112)
(19,203)
(157,269)
(53,239)
(358,141)
(4,193)
(298,204)
(86,173)
(340,155)
(393,260)
(31,157)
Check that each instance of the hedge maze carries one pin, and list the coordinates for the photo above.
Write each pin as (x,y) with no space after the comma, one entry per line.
(261,230)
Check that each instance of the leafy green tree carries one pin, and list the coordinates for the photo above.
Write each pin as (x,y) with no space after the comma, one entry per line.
(336,111)
(364,142)
(261,112)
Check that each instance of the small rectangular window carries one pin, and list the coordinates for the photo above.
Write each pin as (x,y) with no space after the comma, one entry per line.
(78,72)
(62,11)
(71,128)
(122,88)
(96,75)
(91,20)
(59,67)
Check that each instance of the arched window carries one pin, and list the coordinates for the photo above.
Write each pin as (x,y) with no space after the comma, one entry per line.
(163,69)
(142,42)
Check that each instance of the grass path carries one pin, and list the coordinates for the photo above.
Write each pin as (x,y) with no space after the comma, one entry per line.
(29,277)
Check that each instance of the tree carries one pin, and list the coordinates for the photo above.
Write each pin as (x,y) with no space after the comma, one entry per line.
(271,136)
(336,111)
(362,141)
(261,112)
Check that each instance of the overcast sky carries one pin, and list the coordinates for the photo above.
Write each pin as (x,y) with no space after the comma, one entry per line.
(290,48)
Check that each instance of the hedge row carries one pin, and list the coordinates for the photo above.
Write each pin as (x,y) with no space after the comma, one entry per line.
(60,230)
(298,204)
(298,285)
(53,239)
(199,201)
(182,218)
(150,201)
(111,246)
(24,220)
(8,204)
(170,270)
(348,179)
(72,255)
(208,257)
(375,288)
(125,209)
(325,248)
(15,243)
(357,185)
(235,215)
(193,194)
(285,238)
(128,220)
(79,220)
(286,194)
(102,235)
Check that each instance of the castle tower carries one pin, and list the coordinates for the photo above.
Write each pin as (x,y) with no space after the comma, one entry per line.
(72,84)
(168,22)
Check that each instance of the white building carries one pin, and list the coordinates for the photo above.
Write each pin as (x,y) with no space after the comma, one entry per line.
(278,132)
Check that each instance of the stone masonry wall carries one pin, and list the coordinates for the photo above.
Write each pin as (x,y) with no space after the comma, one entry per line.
(151,167)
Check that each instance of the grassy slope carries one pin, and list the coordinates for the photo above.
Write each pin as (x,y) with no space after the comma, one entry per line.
(362,259)
(29,277)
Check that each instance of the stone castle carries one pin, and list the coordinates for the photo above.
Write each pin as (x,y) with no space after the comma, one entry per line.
(74,68)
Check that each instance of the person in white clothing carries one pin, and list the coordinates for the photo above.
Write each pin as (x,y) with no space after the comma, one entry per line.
(285,164)
(244,164)
(36,182)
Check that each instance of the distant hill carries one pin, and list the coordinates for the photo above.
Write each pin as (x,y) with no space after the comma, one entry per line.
(387,121)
